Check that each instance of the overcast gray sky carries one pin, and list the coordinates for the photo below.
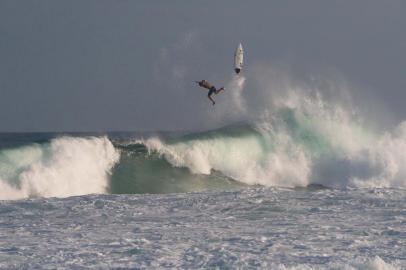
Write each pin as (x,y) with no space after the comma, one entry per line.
(129,65)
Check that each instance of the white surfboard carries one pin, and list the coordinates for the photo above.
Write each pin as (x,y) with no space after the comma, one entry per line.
(238,59)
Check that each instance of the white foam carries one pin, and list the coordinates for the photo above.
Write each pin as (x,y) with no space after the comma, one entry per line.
(8,192)
(385,160)
(246,159)
(375,263)
(67,166)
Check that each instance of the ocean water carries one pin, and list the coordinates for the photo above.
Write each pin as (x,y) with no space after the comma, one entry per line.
(306,186)
(268,228)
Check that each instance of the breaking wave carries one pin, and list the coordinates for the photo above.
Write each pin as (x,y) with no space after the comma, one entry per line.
(303,141)
(291,147)
(63,167)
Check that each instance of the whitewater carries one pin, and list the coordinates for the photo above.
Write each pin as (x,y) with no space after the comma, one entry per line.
(290,179)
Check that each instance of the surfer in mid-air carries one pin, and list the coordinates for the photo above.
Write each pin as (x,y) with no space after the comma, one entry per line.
(238,63)
(211,87)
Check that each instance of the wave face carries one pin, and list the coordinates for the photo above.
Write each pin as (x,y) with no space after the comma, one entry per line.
(63,167)
(144,171)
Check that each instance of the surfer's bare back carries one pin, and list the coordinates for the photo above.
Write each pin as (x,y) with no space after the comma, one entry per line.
(211,87)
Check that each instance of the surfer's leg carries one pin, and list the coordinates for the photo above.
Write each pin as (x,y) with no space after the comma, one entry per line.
(209,96)
(211,92)
(221,89)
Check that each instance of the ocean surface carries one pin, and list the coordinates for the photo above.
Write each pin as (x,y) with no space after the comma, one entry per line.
(304,188)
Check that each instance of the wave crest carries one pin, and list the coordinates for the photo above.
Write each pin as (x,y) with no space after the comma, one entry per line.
(64,167)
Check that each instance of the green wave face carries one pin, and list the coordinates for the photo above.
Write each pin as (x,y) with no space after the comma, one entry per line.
(219,159)
(140,171)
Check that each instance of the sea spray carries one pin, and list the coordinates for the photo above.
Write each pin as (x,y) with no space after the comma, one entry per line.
(230,104)
(303,140)
(235,88)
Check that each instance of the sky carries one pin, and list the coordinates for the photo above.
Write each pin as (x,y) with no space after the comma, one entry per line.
(123,65)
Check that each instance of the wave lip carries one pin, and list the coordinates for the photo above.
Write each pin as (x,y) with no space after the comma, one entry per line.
(65,166)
